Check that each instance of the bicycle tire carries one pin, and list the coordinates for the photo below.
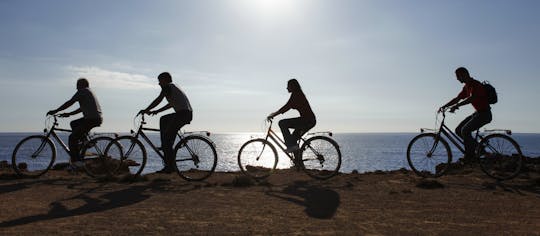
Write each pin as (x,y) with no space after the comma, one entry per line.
(424,163)
(317,152)
(195,158)
(250,162)
(96,163)
(24,159)
(132,155)
(500,156)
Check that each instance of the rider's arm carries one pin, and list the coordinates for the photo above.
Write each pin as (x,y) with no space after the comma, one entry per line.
(63,107)
(154,103)
(162,109)
(465,102)
(283,109)
(450,103)
(73,112)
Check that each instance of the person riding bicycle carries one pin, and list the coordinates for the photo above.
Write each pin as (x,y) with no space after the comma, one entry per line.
(91,110)
(474,93)
(301,124)
(170,124)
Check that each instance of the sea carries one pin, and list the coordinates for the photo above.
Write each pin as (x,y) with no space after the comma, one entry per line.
(362,152)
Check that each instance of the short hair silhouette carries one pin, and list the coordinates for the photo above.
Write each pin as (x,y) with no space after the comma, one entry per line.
(463,71)
(83,82)
(294,85)
(165,77)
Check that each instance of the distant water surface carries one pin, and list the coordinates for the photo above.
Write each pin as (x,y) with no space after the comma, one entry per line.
(360,151)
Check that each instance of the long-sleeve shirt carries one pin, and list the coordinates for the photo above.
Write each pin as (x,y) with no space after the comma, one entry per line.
(298,101)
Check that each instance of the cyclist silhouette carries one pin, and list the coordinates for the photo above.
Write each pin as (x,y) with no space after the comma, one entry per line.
(302,124)
(91,110)
(170,124)
(473,92)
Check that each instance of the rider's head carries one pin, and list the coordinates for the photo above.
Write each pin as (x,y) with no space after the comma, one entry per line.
(462,74)
(82,83)
(164,78)
(293,86)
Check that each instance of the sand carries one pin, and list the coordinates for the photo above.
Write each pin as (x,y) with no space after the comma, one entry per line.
(289,202)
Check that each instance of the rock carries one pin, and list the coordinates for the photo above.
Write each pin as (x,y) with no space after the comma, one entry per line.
(4,165)
(242,181)
(22,166)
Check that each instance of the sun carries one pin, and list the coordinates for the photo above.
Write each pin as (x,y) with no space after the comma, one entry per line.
(271,10)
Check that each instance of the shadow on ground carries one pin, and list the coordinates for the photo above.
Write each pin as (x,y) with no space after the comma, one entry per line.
(320,202)
(105,200)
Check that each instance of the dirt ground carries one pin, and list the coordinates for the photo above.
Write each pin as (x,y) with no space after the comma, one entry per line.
(289,202)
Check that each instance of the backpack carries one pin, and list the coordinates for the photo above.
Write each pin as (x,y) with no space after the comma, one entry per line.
(490,92)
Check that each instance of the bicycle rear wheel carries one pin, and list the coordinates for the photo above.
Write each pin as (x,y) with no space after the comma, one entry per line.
(96,163)
(130,153)
(321,157)
(500,156)
(196,158)
(257,158)
(428,155)
(33,156)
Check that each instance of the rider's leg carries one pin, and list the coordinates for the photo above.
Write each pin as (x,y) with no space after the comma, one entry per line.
(77,132)
(303,128)
(479,119)
(459,128)
(172,124)
(287,124)
(80,128)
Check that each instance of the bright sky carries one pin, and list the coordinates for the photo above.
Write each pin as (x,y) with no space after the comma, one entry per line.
(365,66)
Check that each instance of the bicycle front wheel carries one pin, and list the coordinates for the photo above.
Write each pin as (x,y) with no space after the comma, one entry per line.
(33,156)
(196,158)
(257,158)
(429,155)
(500,156)
(96,163)
(129,152)
(321,157)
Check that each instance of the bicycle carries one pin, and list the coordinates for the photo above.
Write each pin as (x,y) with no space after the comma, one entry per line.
(195,155)
(319,156)
(499,155)
(34,155)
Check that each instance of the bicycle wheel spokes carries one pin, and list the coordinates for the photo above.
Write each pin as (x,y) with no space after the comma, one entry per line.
(130,153)
(33,156)
(196,158)
(257,158)
(427,158)
(500,157)
(96,162)
(321,157)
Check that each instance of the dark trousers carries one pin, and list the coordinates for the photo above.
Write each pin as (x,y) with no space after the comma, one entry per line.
(300,125)
(169,126)
(80,128)
(468,126)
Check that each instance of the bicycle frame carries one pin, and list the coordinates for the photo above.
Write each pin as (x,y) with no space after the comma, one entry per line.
(140,132)
(52,133)
(450,135)
(281,143)
(278,141)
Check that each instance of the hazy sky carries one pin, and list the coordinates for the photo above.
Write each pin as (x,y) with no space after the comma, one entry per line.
(365,66)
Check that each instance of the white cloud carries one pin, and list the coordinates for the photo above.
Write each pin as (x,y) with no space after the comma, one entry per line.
(99,77)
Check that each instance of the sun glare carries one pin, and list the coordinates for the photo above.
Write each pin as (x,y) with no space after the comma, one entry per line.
(271,10)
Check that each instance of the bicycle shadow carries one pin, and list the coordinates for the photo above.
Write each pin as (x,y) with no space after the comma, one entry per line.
(24,184)
(106,201)
(320,202)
